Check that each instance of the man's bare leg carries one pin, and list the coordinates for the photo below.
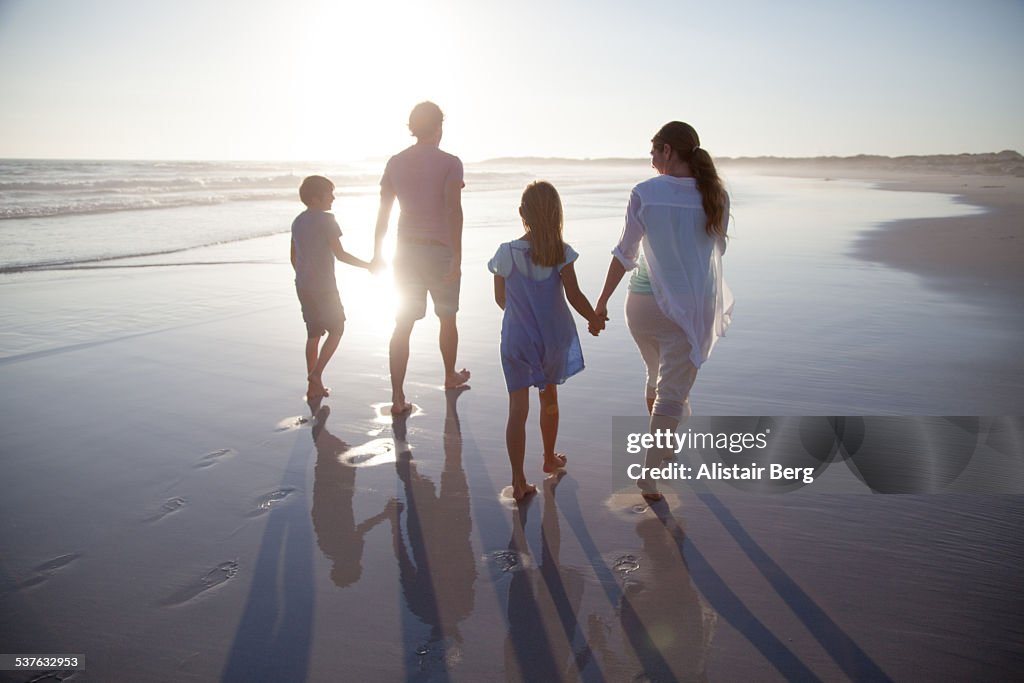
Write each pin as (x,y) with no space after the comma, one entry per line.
(399,363)
(448,339)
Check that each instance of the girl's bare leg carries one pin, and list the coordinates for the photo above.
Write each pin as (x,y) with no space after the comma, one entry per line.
(549,428)
(515,440)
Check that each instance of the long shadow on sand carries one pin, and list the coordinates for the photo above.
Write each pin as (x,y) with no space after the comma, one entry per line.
(545,641)
(274,637)
(850,657)
(437,568)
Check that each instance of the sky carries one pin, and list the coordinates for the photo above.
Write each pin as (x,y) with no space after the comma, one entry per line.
(335,79)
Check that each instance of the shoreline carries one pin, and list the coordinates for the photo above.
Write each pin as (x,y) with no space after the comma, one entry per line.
(981,255)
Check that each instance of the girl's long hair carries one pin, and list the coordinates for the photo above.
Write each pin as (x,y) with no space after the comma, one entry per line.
(541,210)
(684,140)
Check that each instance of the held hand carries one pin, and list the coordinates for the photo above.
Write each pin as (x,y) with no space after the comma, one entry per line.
(595,325)
(601,312)
(376,265)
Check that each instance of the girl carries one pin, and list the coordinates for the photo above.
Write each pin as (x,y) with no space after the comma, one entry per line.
(539,344)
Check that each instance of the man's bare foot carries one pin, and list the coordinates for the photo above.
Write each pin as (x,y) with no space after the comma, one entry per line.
(652,496)
(521,491)
(457,378)
(555,463)
(400,407)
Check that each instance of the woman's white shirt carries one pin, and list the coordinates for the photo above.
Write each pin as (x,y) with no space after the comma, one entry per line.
(666,219)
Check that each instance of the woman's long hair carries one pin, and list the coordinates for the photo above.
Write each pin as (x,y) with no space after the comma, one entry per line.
(541,209)
(684,140)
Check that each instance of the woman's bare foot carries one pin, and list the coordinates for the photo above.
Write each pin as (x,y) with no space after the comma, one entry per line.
(456,379)
(554,463)
(652,496)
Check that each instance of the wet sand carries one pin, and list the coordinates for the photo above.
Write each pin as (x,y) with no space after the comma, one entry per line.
(983,253)
(175,511)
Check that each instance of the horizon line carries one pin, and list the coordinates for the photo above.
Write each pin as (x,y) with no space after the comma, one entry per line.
(535,158)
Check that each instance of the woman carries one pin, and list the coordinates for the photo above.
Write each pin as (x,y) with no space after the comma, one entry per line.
(678,305)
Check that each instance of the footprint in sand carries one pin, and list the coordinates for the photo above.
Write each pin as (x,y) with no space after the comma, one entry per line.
(268,500)
(508,561)
(213,578)
(290,423)
(213,457)
(626,564)
(170,506)
(43,572)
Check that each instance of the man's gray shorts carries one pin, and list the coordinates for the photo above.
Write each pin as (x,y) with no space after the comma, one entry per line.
(419,269)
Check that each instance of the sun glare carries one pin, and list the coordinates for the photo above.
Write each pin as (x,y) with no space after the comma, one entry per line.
(356,88)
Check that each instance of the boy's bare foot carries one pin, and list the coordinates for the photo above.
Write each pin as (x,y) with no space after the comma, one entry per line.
(555,463)
(316,388)
(521,491)
(456,379)
(316,393)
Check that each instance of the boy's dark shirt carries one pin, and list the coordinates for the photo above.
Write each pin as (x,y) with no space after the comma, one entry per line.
(312,234)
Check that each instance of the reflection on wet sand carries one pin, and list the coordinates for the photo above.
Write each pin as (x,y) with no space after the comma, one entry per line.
(545,642)
(337,533)
(437,569)
(669,628)
(665,629)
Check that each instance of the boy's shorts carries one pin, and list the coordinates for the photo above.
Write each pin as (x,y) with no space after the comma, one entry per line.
(321,311)
(420,268)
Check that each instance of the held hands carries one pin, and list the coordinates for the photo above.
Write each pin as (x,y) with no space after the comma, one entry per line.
(597,324)
(376,265)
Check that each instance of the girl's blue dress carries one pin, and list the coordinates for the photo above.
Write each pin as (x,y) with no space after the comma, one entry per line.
(539,343)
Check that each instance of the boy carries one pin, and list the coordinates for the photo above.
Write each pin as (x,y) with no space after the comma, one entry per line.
(315,244)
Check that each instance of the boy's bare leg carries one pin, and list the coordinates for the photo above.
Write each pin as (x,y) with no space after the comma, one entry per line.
(316,384)
(448,340)
(398,352)
(549,428)
(515,441)
(312,351)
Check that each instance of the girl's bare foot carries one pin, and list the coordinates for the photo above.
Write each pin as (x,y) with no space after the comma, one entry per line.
(457,378)
(399,405)
(554,463)
(652,496)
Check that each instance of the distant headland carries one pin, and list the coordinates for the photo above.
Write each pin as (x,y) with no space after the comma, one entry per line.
(1007,162)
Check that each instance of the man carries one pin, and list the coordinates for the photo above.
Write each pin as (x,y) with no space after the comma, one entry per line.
(428,258)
